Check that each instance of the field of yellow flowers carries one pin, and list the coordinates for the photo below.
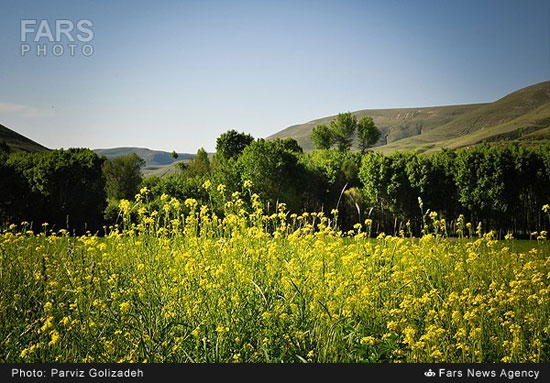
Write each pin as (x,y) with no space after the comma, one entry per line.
(180,284)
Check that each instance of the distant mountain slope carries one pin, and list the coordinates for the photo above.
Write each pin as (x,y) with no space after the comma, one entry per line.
(157,162)
(517,116)
(151,157)
(394,124)
(528,128)
(17,141)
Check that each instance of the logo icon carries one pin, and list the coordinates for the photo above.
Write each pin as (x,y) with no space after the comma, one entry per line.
(429,373)
(64,37)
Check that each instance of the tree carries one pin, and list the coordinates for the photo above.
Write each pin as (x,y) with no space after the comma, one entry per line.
(388,189)
(289,144)
(327,172)
(64,188)
(274,172)
(123,176)
(199,166)
(343,127)
(225,171)
(231,143)
(433,177)
(322,137)
(174,155)
(15,198)
(4,148)
(367,133)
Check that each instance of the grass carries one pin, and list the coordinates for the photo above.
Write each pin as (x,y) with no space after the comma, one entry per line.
(184,285)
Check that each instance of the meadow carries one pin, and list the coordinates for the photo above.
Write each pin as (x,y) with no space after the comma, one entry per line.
(184,284)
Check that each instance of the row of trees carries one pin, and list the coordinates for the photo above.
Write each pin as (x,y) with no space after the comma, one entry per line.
(504,186)
(343,129)
(64,188)
(501,186)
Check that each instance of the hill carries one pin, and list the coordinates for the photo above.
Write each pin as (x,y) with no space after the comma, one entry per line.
(157,162)
(17,141)
(522,116)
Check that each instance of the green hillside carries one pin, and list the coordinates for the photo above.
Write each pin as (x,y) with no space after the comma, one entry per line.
(157,162)
(17,141)
(162,170)
(523,115)
(528,128)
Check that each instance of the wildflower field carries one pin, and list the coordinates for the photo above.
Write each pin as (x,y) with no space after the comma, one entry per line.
(182,284)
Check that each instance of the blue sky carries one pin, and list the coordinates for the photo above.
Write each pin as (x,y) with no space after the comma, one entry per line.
(174,75)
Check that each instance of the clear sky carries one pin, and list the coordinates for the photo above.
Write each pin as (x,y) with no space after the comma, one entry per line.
(174,75)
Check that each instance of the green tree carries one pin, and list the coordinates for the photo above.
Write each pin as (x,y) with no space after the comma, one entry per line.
(343,128)
(231,143)
(198,166)
(434,178)
(174,155)
(289,144)
(64,188)
(225,171)
(327,173)
(123,176)
(177,186)
(15,192)
(388,189)
(4,147)
(274,172)
(367,133)
(322,137)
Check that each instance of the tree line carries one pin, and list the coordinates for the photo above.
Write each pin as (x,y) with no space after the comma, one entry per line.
(503,186)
